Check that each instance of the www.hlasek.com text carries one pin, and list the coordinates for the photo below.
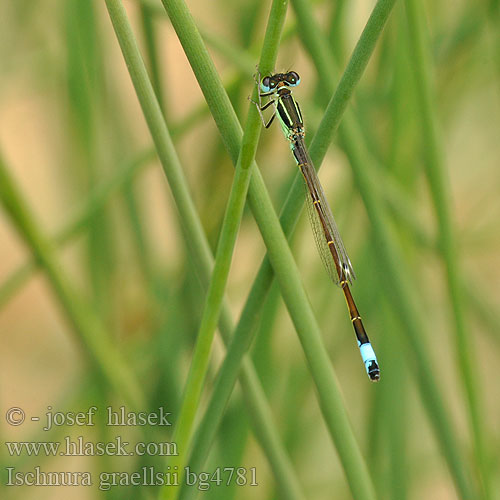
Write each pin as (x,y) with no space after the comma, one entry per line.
(79,447)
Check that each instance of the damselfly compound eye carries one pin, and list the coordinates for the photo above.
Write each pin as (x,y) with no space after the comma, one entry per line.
(266,84)
(293,78)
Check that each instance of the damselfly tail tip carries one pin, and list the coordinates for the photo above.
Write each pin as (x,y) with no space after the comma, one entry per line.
(373,371)
(370,361)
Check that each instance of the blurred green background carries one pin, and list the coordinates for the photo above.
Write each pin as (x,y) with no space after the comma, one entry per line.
(95,259)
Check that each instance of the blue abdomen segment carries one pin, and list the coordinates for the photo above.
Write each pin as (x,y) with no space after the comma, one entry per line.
(370,360)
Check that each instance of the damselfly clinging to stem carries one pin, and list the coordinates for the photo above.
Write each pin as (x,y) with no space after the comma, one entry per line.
(330,246)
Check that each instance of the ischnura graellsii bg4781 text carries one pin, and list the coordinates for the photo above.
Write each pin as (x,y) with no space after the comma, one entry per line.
(277,88)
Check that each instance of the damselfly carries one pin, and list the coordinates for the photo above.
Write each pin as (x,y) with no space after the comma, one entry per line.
(330,246)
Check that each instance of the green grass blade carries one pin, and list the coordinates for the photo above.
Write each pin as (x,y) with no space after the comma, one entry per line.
(225,381)
(437,178)
(151,49)
(184,428)
(90,331)
(194,234)
(280,256)
(357,63)
(86,92)
(78,222)
(401,289)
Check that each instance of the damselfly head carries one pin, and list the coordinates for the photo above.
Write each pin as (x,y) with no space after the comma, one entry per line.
(278,80)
